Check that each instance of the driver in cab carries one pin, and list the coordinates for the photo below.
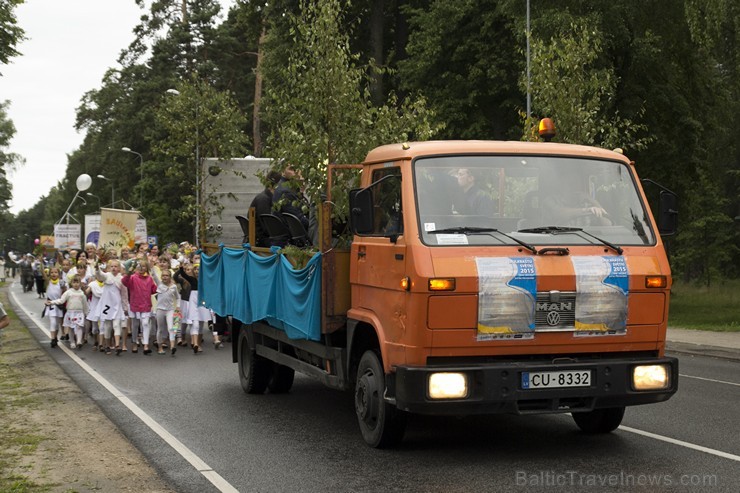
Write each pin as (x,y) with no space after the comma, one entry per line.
(569,201)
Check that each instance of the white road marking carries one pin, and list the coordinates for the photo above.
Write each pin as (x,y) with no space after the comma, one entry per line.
(219,482)
(709,380)
(222,485)
(681,443)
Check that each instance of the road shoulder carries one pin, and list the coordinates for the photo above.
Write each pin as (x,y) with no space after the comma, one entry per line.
(724,345)
(57,438)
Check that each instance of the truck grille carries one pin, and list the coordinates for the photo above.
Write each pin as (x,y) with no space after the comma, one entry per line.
(555,310)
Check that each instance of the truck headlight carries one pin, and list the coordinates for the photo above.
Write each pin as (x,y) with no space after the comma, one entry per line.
(650,377)
(448,386)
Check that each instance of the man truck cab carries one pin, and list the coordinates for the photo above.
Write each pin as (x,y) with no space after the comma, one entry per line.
(556,302)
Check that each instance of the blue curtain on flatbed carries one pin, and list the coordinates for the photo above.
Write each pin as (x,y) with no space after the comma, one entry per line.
(251,288)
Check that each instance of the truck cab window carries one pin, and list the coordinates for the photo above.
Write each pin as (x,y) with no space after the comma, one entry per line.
(462,198)
(387,208)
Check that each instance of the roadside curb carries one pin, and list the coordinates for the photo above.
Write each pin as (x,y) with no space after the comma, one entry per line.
(703,350)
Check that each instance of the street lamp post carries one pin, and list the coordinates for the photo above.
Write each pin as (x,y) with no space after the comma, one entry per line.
(93,195)
(112,190)
(197,171)
(529,99)
(141,168)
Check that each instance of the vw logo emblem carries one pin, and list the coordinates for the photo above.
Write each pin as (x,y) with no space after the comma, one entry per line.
(553,318)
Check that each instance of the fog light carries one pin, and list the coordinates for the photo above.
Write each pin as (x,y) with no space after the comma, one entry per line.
(650,377)
(448,386)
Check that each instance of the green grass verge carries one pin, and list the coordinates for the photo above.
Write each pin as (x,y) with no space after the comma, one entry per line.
(706,308)
(18,439)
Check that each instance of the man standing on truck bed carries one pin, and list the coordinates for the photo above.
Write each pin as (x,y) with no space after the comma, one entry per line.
(288,197)
(262,204)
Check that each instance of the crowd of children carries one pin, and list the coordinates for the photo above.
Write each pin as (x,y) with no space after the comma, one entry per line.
(139,299)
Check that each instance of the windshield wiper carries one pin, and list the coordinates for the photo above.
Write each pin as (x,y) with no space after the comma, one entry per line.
(554,230)
(550,230)
(474,230)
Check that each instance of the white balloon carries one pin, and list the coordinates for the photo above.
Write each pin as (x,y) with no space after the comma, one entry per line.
(83,182)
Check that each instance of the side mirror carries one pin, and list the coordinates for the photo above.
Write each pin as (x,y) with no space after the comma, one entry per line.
(668,213)
(361,211)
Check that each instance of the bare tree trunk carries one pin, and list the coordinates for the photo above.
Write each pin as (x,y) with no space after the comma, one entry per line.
(256,118)
(376,50)
(402,38)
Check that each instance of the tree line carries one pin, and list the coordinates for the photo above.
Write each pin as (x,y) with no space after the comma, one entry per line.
(317,81)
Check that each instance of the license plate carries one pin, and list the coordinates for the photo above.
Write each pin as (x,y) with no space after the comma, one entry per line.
(555,379)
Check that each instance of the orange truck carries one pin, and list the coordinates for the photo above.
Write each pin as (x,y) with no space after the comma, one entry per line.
(483,277)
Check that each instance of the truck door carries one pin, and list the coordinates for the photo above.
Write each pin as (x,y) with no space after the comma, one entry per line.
(379,253)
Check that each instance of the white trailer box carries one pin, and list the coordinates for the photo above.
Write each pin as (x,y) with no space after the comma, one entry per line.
(229,185)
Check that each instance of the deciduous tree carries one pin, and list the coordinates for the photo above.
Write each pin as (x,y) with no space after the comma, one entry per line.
(319,107)
(10,32)
(196,123)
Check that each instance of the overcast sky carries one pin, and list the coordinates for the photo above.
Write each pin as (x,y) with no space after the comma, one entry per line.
(70,45)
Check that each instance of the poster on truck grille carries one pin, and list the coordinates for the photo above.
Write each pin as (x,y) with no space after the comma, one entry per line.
(602,288)
(507,291)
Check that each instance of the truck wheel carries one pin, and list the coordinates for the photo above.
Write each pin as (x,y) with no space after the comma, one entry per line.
(282,379)
(382,425)
(254,371)
(600,420)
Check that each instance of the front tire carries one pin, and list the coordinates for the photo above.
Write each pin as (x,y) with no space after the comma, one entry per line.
(382,425)
(254,370)
(600,420)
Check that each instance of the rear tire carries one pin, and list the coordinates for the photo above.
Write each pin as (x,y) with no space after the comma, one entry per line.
(600,420)
(254,371)
(282,379)
(382,425)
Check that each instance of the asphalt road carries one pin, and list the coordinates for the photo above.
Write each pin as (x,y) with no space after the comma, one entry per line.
(216,438)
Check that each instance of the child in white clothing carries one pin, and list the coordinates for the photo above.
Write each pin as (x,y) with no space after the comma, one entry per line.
(54,289)
(112,311)
(95,291)
(77,307)
(168,300)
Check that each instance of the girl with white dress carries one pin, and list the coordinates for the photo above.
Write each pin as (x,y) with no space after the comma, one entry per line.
(185,289)
(198,315)
(77,307)
(112,313)
(95,291)
(168,300)
(54,290)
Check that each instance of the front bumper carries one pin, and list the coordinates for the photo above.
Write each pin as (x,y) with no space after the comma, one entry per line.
(496,388)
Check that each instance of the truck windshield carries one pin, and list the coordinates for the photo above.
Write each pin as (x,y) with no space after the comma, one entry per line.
(528,198)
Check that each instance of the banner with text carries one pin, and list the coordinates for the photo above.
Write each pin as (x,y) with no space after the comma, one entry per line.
(117,229)
(67,236)
(92,229)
